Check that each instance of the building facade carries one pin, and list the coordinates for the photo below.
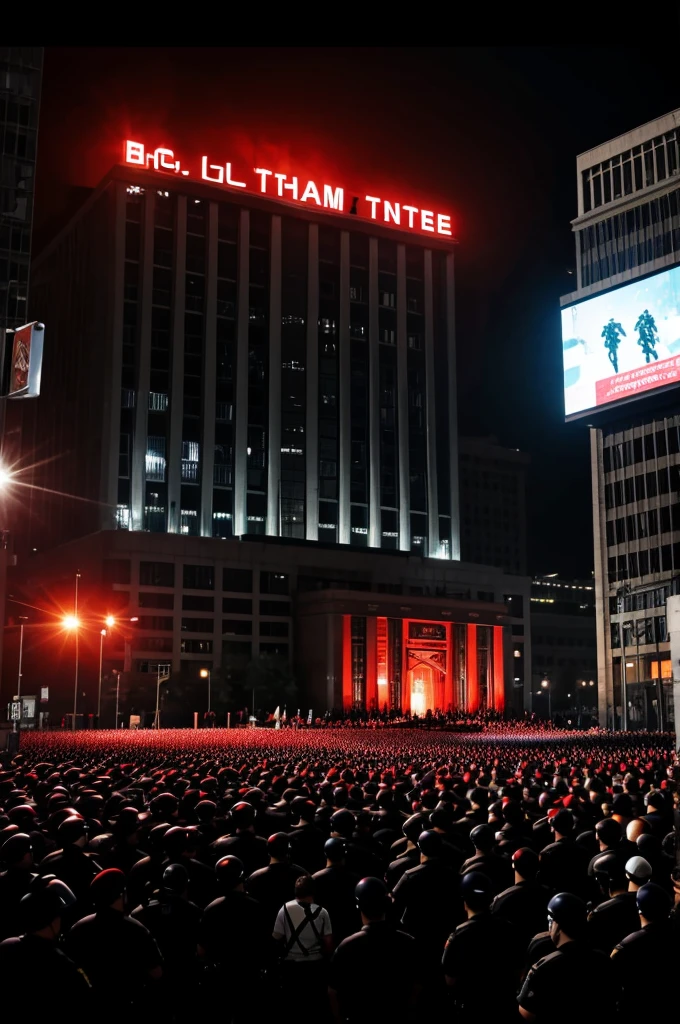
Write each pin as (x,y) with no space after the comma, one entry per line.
(252,368)
(628,228)
(493,510)
(359,628)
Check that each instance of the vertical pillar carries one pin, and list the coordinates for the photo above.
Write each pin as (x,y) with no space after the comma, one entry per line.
(405,673)
(138,478)
(347,688)
(453,407)
(113,400)
(449,700)
(371,691)
(241,393)
(312,373)
(344,448)
(381,661)
(174,456)
(432,502)
(471,669)
(373,399)
(209,373)
(498,669)
(402,404)
(274,446)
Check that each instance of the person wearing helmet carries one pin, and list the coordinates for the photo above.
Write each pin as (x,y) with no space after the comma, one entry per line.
(563,863)
(172,919)
(334,888)
(34,956)
(391,953)
(304,934)
(306,839)
(16,854)
(180,846)
(118,954)
(72,864)
(233,938)
(360,859)
(146,874)
(409,854)
(617,916)
(542,996)
(652,950)
(638,872)
(524,904)
(659,813)
(465,959)
(274,885)
(487,860)
(243,842)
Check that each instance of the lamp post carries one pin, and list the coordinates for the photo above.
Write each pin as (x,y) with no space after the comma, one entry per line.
(71,623)
(117,696)
(110,622)
(205,674)
(545,684)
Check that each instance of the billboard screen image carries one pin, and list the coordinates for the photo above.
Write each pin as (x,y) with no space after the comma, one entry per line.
(621,344)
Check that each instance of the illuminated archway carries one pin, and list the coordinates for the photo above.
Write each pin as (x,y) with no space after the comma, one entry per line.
(421,689)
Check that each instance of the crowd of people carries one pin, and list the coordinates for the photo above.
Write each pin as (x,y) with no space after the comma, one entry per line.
(338,876)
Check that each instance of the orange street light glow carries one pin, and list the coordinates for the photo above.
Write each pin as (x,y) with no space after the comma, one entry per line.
(110,621)
(70,622)
(204,673)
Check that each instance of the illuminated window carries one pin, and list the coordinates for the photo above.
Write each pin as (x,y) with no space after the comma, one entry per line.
(122,517)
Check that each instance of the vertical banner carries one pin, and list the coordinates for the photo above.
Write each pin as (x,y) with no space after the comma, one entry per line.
(498,673)
(471,669)
(25,368)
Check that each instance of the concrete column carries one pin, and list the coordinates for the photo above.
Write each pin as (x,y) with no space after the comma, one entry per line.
(344,381)
(209,373)
(138,478)
(673,624)
(432,502)
(274,447)
(241,393)
(312,378)
(402,405)
(453,406)
(174,454)
(109,464)
(373,398)
(605,679)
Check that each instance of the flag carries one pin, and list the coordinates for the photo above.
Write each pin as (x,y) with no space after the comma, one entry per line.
(309,717)
(277,717)
(284,716)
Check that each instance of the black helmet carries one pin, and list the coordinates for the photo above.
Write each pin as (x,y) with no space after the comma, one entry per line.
(343,821)
(175,841)
(371,896)
(569,913)
(608,831)
(175,878)
(638,870)
(430,843)
(609,871)
(413,826)
(243,815)
(278,845)
(71,830)
(483,837)
(229,872)
(39,908)
(335,850)
(155,838)
(653,902)
(15,848)
(476,890)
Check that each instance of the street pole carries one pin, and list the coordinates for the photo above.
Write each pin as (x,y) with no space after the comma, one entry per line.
(254,702)
(117,696)
(549,704)
(209,702)
(21,655)
(101,662)
(624,689)
(75,682)
(158,698)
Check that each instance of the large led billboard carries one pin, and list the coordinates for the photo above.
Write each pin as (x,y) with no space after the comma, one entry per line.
(621,344)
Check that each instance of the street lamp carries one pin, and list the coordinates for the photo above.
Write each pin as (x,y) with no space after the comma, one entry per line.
(545,683)
(72,624)
(205,674)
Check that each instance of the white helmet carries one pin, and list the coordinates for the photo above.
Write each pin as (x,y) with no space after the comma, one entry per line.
(638,870)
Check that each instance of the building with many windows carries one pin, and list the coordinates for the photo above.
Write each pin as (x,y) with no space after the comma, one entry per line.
(628,230)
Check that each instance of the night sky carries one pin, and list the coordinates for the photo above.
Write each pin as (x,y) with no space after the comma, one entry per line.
(489,134)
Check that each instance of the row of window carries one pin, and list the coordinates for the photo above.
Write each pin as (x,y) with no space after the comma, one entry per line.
(550,661)
(629,172)
(644,485)
(665,441)
(235,627)
(643,524)
(639,631)
(565,641)
(194,577)
(655,597)
(241,649)
(636,564)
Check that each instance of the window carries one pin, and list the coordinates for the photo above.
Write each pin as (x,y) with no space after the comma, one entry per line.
(194,603)
(150,600)
(237,627)
(239,581)
(116,570)
(160,644)
(273,583)
(157,574)
(155,622)
(273,628)
(196,646)
(278,649)
(237,649)
(237,605)
(198,625)
(275,608)
(199,577)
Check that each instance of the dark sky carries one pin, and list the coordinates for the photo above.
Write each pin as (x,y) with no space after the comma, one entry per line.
(491,134)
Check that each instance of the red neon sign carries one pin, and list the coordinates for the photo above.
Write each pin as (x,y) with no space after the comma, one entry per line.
(265,181)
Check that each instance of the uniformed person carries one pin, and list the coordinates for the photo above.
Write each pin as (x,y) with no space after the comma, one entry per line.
(524,904)
(274,885)
(408,854)
(15,882)
(466,957)
(617,916)
(244,844)
(563,863)
(334,888)
(391,955)
(71,863)
(486,860)
(544,994)
(36,974)
(117,953)
(650,951)
(638,872)
(306,840)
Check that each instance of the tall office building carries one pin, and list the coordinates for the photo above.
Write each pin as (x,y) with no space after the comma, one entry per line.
(621,337)
(20,80)
(249,413)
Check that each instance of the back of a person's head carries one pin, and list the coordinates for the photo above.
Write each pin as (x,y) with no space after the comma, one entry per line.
(304,887)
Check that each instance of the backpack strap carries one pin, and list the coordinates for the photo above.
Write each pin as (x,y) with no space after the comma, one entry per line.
(309,918)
